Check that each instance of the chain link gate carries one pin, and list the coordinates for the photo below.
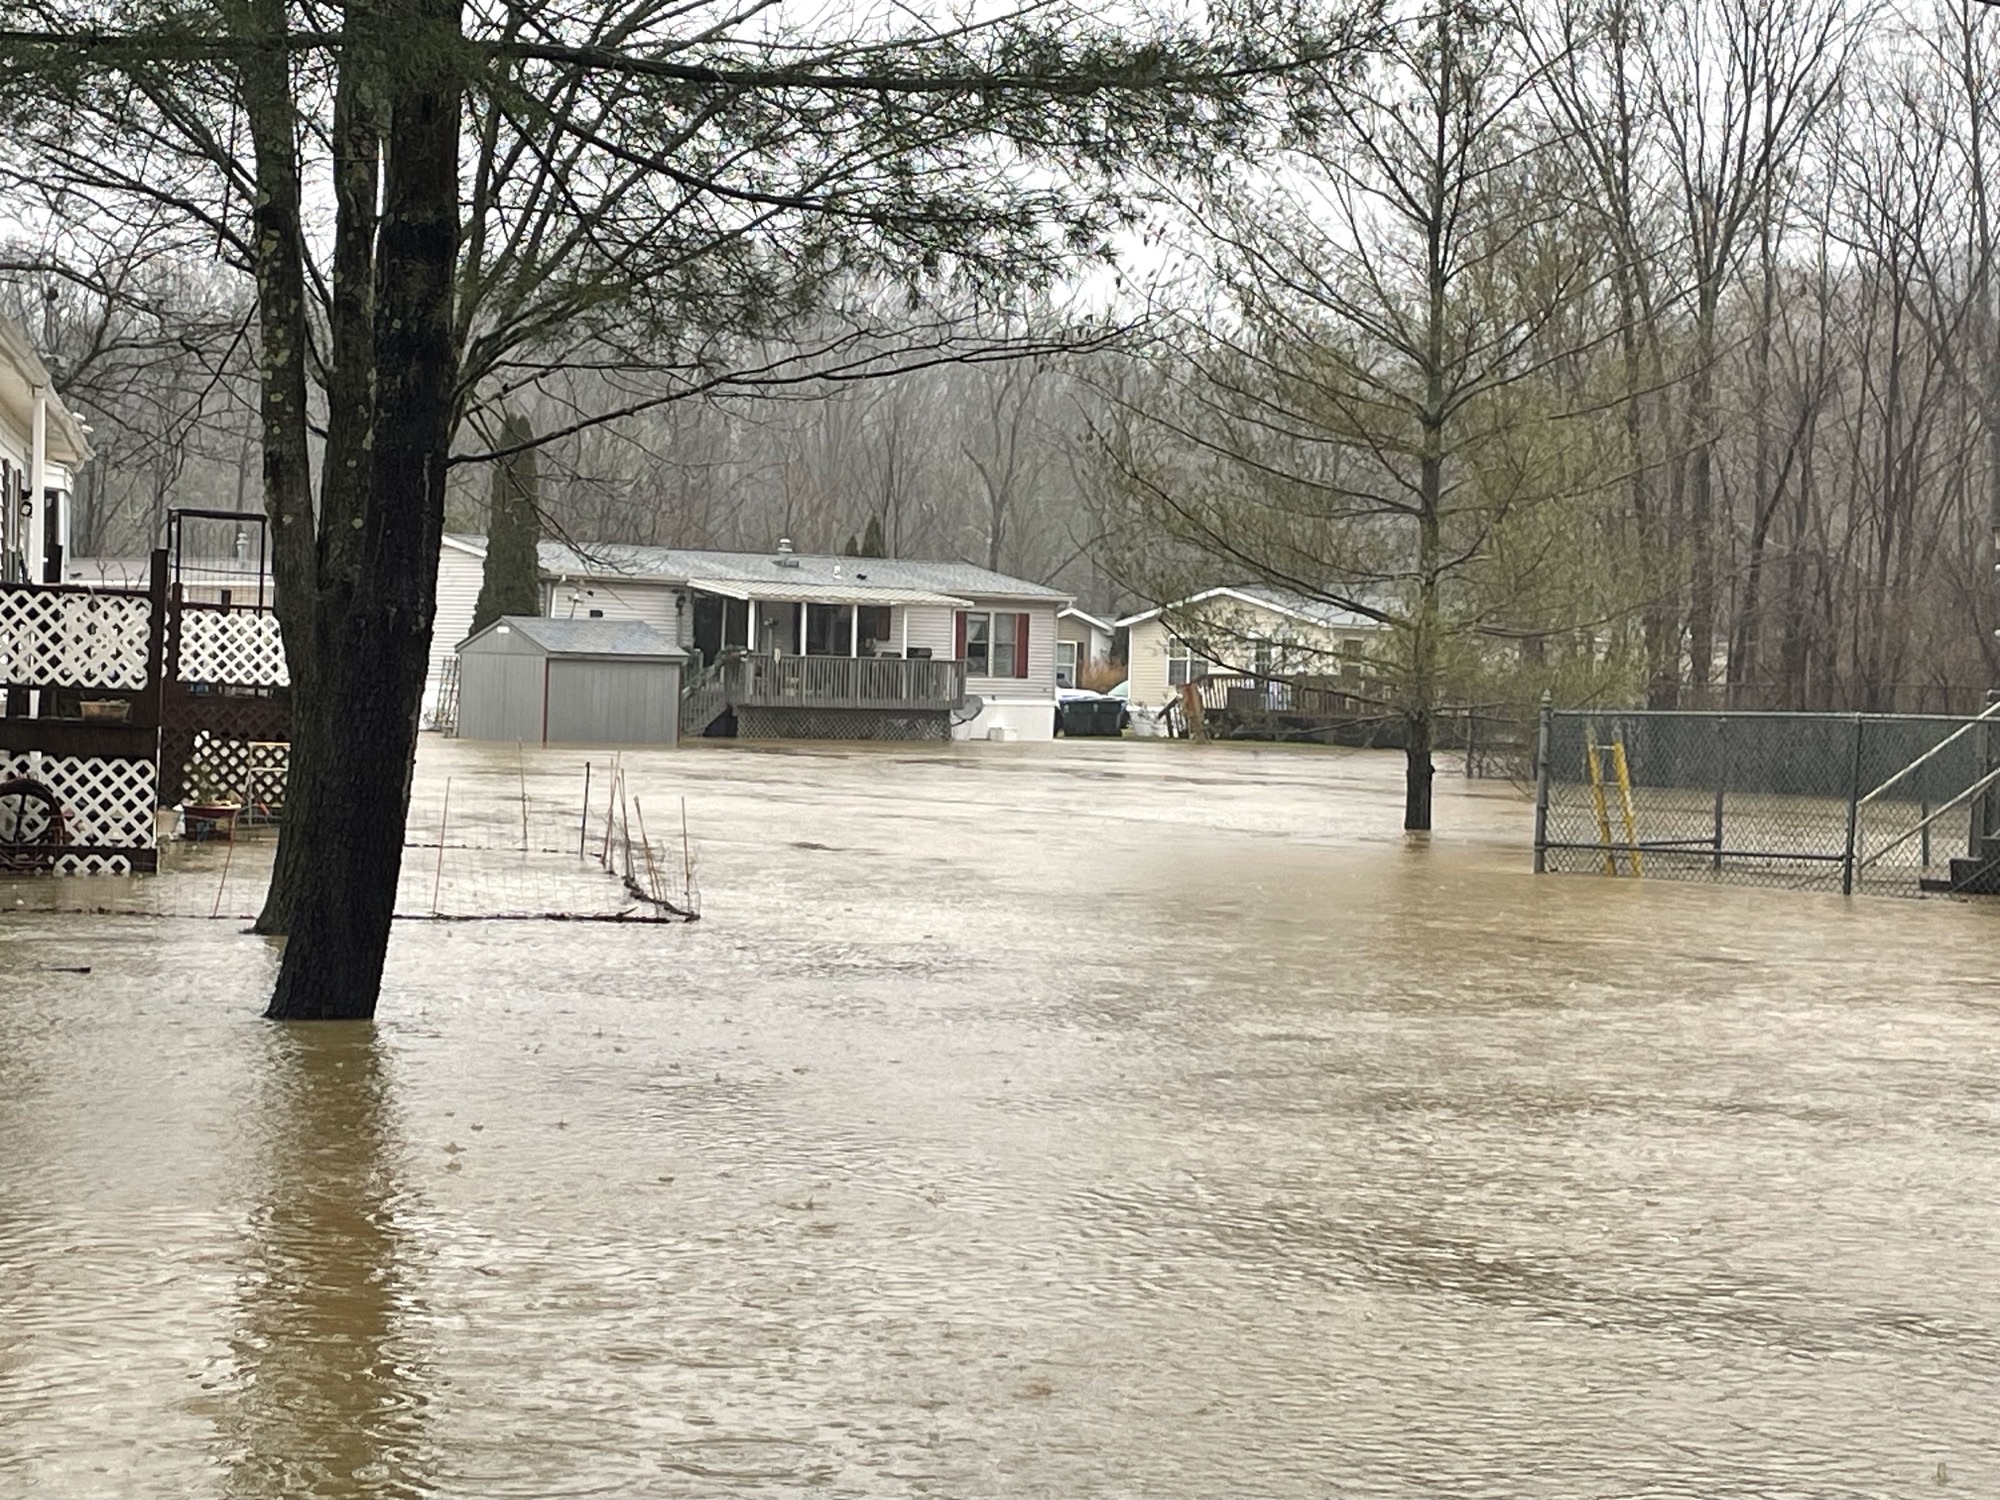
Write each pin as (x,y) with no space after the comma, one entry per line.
(1887,804)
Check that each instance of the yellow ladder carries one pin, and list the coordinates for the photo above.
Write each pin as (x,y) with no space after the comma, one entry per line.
(1593,757)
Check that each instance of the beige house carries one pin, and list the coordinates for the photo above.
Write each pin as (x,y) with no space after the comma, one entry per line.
(1082,642)
(1253,631)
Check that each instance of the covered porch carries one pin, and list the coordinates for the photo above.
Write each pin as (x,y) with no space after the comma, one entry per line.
(781,618)
(785,660)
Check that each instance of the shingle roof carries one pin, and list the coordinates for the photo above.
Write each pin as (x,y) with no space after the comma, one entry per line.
(678,565)
(1284,601)
(1089,619)
(592,637)
(831,591)
(1317,610)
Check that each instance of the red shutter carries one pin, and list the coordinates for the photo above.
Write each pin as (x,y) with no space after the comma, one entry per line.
(1021,645)
(960,617)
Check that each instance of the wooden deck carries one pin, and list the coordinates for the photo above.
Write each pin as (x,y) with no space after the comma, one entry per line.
(887,683)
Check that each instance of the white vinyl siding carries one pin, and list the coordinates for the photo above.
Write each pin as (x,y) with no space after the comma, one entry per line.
(458,578)
(1146,666)
(619,599)
(1041,679)
(936,627)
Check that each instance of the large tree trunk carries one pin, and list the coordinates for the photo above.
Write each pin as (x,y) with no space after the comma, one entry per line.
(1418,773)
(281,330)
(316,586)
(353,829)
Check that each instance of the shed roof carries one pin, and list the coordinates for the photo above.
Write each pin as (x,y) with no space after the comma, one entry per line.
(585,637)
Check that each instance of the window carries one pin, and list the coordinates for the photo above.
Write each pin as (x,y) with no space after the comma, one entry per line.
(1353,657)
(827,630)
(874,628)
(1066,664)
(1006,644)
(993,644)
(1187,661)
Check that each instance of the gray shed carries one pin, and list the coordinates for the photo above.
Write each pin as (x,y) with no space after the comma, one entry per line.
(579,682)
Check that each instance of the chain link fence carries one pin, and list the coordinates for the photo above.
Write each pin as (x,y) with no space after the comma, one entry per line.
(1879,803)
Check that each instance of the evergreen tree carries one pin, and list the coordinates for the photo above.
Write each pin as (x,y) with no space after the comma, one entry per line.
(511,583)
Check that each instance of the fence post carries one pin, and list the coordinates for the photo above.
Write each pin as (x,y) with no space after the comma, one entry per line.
(1983,805)
(1542,787)
(161,655)
(1853,808)
(1721,784)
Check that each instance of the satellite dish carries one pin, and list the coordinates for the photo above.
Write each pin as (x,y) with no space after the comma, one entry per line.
(967,711)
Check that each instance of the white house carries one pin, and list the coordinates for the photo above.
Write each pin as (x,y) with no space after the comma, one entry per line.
(788,604)
(1082,642)
(42,445)
(1253,630)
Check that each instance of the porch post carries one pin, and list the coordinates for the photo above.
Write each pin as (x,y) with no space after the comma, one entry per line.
(802,606)
(853,630)
(906,631)
(749,625)
(33,551)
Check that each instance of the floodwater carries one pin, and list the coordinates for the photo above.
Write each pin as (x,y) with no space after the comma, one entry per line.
(1105,1119)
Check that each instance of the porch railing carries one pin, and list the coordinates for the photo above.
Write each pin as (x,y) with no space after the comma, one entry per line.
(1243,692)
(884,682)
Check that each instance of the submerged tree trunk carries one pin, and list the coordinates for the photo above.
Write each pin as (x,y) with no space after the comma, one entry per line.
(1426,665)
(353,827)
(1418,773)
(316,587)
(281,331)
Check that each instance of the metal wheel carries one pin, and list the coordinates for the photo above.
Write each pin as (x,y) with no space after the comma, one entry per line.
(31,824)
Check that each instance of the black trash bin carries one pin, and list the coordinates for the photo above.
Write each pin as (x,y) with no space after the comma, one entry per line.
(1078,717)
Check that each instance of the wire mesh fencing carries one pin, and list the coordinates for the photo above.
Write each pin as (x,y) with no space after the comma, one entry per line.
(497,843)
(1878,803)
(598,852)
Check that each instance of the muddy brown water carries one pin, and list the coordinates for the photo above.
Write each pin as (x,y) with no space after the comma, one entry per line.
(1092,1120)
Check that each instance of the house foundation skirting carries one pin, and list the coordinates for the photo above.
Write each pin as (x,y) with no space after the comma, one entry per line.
(841,724)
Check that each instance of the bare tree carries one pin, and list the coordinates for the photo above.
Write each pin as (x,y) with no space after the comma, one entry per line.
(1361,427)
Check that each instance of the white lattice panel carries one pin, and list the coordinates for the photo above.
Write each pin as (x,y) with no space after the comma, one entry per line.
(249,771)
(239,647)
(53,639)
(92,864)
(107,804)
